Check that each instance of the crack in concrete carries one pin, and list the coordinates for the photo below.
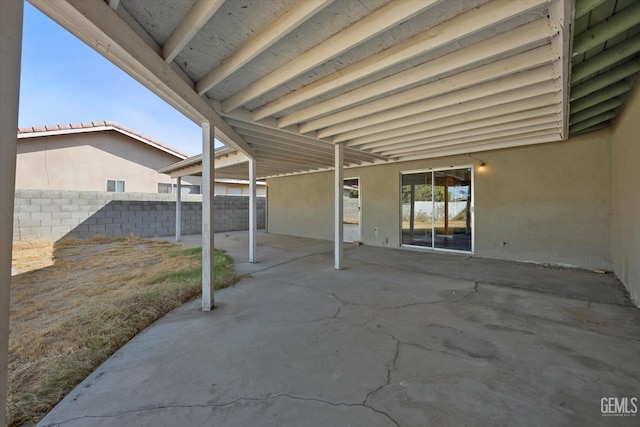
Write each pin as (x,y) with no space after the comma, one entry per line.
(473,291)
(397,355)
(226,404)
(389,369)
(345,303)
(412,304)
(342,302)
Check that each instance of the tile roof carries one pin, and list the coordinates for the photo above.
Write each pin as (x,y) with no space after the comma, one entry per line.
(100,126)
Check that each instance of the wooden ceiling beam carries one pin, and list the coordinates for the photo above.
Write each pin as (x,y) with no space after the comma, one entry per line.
(286,22)
(511,66)
(596,110)
(600,96)
(585,6)
(607,29)
(370,26)
(241,120)
(603,80)
(527,138)
(504,84)
(519,40)
(466,120)
(474,108)
(605,59)
(503,129)
(460,128)
(471,141)
(469,23)
(198,16)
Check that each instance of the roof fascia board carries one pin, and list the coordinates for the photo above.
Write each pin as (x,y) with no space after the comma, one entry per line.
(193,165)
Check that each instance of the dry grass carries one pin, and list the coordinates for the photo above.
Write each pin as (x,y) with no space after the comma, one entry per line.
(33,255)
(93,296)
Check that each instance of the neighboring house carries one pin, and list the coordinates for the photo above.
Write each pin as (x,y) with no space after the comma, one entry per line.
(104,156)
(97,156)
(238,187)
(100,178)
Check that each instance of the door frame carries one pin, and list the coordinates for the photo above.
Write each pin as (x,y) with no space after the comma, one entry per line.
(471,208)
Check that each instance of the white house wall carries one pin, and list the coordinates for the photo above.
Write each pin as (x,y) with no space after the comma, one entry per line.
(85,161)
(626,195)
(548,203)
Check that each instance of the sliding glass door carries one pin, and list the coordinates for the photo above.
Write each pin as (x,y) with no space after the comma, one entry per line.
(436,209)
(417,207)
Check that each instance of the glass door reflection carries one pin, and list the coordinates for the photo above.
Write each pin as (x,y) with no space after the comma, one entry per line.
(436,209)
(417,209)
(452,193)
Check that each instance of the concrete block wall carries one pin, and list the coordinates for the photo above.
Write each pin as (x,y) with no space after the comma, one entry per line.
(232,212)
(46,214)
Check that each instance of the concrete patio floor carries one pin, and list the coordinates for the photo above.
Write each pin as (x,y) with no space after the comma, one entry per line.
(397,338)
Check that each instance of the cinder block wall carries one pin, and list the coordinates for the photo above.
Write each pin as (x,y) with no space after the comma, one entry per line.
(46,214)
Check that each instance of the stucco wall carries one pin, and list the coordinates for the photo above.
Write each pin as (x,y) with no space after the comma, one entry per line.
(549,203)
(236,189)
(626,195)
(301,205)
(85,161)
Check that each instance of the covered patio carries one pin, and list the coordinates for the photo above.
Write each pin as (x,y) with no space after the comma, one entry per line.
(307,89)
(394,339)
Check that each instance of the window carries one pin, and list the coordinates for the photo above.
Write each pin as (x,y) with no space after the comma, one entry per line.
(191,189)
(115,186)
(165,188)
(173,188)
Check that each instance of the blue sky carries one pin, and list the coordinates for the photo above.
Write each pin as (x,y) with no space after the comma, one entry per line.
(65,81)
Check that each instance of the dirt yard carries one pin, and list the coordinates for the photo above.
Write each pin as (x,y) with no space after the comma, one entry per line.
(75,302)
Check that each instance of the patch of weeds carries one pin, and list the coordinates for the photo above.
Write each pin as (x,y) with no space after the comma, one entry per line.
(62,333)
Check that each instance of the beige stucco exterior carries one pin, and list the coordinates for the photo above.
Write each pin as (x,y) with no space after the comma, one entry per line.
(85,161)
(548,203)
(626,194)
(238,188)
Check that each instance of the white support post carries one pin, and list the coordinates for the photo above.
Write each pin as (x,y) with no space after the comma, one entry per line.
(253,224)
(208,202)
(179,209)
(339,185)
(10,51)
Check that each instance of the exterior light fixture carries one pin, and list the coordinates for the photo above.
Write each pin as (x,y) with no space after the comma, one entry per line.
(483,164)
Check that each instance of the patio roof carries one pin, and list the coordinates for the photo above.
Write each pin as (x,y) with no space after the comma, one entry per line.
(392,80)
